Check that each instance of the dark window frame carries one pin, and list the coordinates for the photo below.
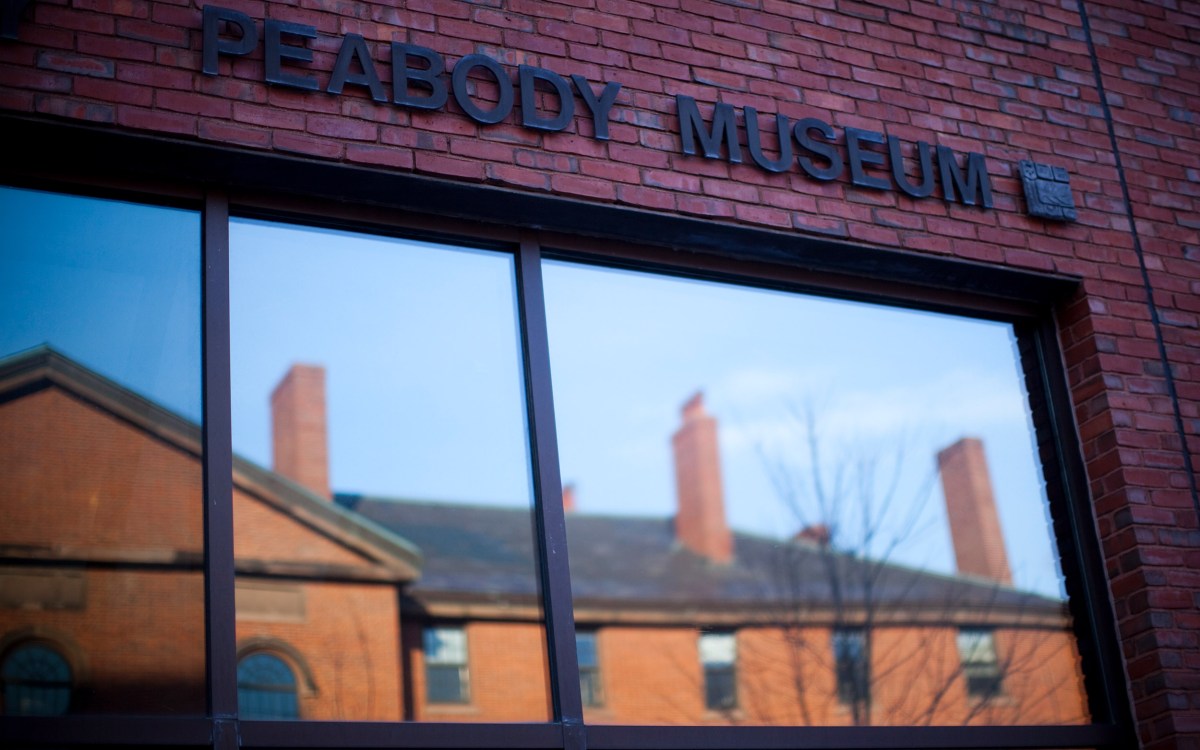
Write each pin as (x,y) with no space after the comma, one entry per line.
(159,170)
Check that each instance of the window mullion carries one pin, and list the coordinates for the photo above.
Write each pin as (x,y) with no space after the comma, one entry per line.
(218,468)
(556,584)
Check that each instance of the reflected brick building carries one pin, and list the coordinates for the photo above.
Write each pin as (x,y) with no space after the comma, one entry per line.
(103,561)
(386,609)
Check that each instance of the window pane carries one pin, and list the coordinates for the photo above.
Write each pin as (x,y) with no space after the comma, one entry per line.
(101,503)
(786,468)
(853,670)
(383,478)
(585,647)
(590,687)
(37,681)
(718,649)
(266,688)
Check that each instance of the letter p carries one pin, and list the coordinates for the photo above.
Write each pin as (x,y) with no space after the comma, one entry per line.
(215,45)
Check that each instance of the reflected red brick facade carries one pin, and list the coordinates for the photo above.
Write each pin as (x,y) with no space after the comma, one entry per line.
(105,493)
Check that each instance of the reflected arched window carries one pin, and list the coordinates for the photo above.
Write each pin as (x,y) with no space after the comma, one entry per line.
(37,681)
(266,688)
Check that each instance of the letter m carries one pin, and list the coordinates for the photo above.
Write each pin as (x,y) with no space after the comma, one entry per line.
(724,128)
(976,182)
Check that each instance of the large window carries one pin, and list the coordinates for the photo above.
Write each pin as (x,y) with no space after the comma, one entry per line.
(804,471)
(383,479)
(786,505)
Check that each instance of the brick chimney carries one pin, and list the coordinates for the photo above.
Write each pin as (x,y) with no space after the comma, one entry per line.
(971,507)
(298,428)
(816,534)
(700,517)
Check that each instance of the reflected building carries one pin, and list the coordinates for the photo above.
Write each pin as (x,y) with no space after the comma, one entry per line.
(372,608)
(101,589)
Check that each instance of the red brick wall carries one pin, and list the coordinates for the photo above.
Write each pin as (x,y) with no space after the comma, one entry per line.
(82,485)
(507,674)
(137,647)
(79,481)
(1148,57)
(349,644)
(1013,82)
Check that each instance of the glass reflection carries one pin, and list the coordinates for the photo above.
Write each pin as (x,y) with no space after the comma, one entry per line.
(387,555)
(780,510)
(101,589)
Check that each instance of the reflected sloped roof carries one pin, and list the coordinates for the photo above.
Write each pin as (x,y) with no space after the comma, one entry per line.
(636,562)
(386,555)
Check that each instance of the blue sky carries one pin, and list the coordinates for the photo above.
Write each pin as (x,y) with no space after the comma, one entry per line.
(114,285)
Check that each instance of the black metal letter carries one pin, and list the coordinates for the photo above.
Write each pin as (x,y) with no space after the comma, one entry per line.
(276,51)
(458,80)
(724,128)
(10,17)
(977,178)
(529,76)
(430,77)
(859,156)
(754,141)
(600,107)
(801,130)
(214,45)
(354,46)
(925,189)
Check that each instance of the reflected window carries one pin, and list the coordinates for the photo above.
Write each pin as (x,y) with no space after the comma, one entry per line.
(37,681)
(718,657)
(379,417)
(852,666)
(266,688)
(977,654)
(789,467)
(100,452)
(589,669)
(446,676)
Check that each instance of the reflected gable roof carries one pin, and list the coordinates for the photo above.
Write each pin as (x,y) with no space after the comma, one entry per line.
(387,557)
(633,568)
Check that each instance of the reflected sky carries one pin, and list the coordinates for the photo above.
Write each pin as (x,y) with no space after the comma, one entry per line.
(880,384)
(113,285)
(426,397)
(421,350)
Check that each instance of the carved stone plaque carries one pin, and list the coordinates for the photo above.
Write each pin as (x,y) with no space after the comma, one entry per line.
(1048,191)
